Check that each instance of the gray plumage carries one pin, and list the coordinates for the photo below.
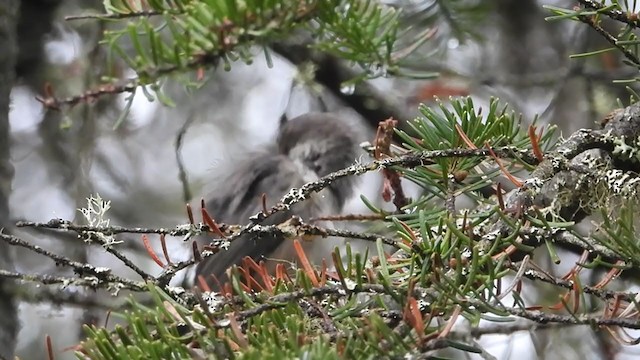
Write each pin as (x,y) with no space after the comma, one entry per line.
(307,147)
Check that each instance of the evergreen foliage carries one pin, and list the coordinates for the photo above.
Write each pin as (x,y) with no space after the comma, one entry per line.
(494,190)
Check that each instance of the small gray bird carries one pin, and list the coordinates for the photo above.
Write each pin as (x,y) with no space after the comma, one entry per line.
(307,148)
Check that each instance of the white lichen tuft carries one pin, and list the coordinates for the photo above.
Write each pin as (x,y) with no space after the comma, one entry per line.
(214,301)
(620,147)
(534,183)
(92,280)
(95,216)
(115,288)
(95,211)
(102,270)
(622,183)
(224,244)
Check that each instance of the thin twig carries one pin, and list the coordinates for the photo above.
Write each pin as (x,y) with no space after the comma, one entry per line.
(67,297)
(111,249)
(87,281)
(51,102)
(567,284)
(610,38)
(117,16)
(182,173)
(450,202)
(59,224)
(613,14)
(299,228)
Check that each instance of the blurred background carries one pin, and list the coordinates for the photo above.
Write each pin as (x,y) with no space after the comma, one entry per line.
(149,159)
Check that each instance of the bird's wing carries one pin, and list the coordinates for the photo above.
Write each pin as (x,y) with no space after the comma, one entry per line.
(239,196)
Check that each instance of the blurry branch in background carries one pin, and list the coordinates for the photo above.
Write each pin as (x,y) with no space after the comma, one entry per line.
(334,74)
(186,36)
(71,296)
(182,172)
(9,325)
(622,16)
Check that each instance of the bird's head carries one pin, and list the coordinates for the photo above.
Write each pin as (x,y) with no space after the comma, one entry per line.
(320,143)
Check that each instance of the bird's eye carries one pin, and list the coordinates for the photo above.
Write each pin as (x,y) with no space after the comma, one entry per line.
(317,168)
(313,162)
